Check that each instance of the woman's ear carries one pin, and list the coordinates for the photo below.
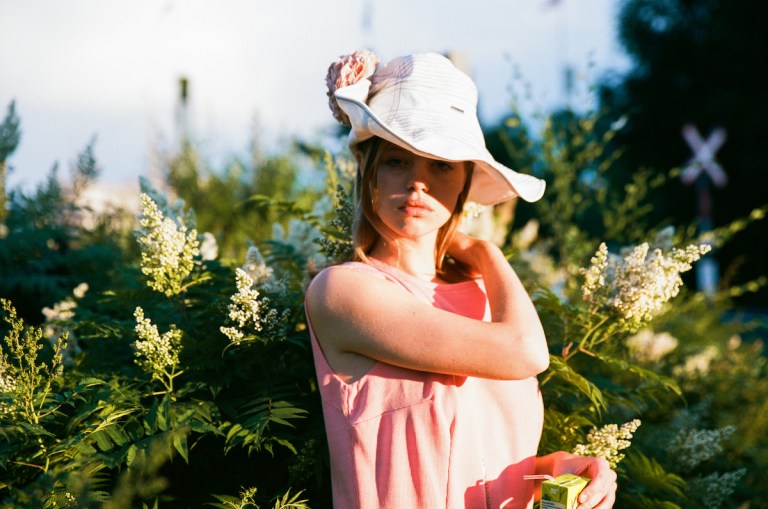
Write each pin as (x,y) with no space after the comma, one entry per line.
(358,157)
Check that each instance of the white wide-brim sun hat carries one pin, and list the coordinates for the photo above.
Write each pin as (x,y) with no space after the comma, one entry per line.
(423,103)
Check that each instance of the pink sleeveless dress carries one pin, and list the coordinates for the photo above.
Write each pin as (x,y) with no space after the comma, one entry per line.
(406,439)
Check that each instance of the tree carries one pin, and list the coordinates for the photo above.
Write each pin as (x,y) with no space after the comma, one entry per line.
(694,62)
(10,134)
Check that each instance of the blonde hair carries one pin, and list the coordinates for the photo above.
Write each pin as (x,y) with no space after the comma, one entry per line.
(364,231)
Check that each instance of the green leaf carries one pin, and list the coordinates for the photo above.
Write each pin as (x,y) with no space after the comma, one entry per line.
(154,505)
(102,440)
(130,456)
(87,382)
(286,444)
(150,421)
(645,374)
(203,427)
(229,500)
(85,448)
(164,412)
(180,444)
(558,367)
(252,433)
(650,474)
(292,502)
(35,430)
(233,431)
(117,435)
(264,410)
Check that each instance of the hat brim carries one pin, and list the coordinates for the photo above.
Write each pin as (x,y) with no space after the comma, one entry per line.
(492,182)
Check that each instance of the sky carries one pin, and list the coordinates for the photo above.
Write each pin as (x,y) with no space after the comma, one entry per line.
(109,70)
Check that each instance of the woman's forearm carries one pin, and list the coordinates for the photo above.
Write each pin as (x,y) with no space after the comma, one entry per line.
(510,304)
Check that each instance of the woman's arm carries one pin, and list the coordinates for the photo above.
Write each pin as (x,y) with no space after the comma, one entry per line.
(354,313)
(510,303)
(600,493)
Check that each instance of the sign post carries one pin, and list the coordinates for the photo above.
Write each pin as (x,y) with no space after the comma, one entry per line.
(702,168)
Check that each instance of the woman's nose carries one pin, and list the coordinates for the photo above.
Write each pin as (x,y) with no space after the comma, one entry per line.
(418,179)
(419,185)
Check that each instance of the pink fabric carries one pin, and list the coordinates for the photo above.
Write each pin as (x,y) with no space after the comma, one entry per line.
(401,438)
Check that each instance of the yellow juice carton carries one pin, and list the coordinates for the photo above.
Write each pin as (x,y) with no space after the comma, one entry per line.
(561,492)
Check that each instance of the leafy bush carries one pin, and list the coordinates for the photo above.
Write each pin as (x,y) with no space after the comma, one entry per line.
(621,349)
(175,378)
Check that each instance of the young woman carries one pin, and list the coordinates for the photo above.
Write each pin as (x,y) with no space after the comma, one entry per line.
(426,345)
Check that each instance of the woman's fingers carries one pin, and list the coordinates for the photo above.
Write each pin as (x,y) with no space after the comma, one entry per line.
(460,245)
(604,501)
(600,493)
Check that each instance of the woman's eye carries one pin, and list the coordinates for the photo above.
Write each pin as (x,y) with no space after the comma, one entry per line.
(394,162)
(442,165)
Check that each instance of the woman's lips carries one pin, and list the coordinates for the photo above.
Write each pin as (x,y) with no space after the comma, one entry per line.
(416,208)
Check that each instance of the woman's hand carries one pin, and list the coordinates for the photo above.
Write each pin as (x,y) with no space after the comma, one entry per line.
(600,493)
(464,249)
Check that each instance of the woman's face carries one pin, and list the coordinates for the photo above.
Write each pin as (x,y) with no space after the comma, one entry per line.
(416,195)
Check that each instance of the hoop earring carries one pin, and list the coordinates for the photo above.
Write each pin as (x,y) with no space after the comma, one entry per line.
(374,197)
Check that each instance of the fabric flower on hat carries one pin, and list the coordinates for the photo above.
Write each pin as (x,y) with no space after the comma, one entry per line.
(348,70)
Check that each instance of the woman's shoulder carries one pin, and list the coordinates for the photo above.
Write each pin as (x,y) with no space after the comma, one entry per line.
(343,274)
(345,268)
(348,288)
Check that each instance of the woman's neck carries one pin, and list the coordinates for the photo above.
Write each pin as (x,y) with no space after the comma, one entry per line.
(414,258)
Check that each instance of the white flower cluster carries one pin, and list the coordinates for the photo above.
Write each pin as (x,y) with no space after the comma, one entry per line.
(691,447)
(347,168)
(167,248)
(256,268)
(63,310)
(61,500)
(335,247)
(7,382)
(473,209)
(244,308)
(479,221)
(648,346)
(301,235)
(714,489)
(7,385)
(209,248)
(250,310)
(698,363)
(607,441)
(524,238)
(60,312)
(638,284)
(156,354)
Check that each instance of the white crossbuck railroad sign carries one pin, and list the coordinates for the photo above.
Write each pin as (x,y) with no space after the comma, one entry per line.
(704,156)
